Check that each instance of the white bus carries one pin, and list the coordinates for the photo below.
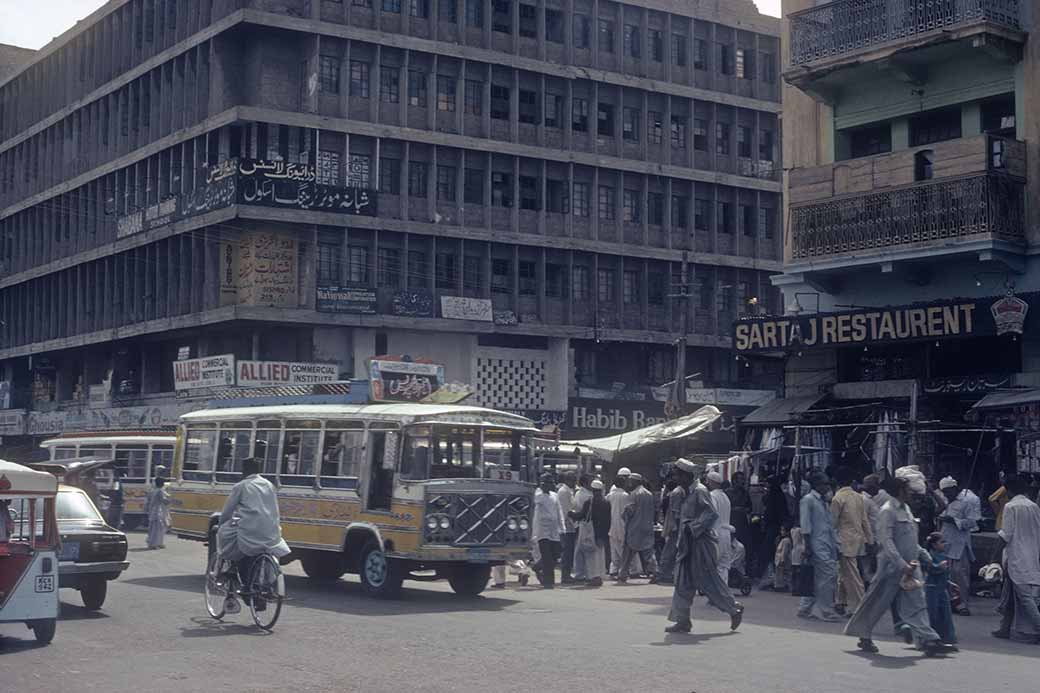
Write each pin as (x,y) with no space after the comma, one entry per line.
(136,454)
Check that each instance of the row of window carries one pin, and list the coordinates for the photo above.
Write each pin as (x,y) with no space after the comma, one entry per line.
(738,61)
(450,272)
(551,114)
(447,275)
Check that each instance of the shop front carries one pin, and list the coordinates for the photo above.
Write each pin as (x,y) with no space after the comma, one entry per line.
(878,388)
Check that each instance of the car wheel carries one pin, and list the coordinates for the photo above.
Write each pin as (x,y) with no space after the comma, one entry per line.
(43,629)
(93,593)
(469,580)
(380,576)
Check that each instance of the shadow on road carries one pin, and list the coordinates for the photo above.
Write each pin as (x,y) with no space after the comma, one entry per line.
(883,661)
(690,638)
(209,628)
(74,612)
(9,645)
(346,597)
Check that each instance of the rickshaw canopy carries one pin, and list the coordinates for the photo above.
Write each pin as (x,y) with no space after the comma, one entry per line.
(19,480)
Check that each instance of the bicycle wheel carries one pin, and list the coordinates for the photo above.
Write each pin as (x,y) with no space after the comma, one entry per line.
(267,588)
(216,586)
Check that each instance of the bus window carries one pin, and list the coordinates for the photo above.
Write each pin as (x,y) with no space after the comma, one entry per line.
(415,453)
(64,452)
(162,455)
(199,452)
(233,447)
(132,461)
(268,441)
(507,456)
(341,454)
(300,454)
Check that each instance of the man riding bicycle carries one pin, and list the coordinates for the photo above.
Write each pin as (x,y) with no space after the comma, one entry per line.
(250,525)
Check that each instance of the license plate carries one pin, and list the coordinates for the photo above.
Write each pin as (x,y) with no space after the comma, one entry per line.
(478,555)
(69,551)
(44,583)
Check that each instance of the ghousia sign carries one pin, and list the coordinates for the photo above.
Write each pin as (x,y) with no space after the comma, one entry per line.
(962,318)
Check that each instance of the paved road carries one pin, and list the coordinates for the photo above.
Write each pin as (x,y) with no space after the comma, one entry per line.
(153,634)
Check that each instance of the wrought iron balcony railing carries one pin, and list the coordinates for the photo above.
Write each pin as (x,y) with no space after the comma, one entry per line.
(847,26)
(931,211)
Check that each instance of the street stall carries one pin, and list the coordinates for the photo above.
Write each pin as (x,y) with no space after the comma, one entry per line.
(644,449)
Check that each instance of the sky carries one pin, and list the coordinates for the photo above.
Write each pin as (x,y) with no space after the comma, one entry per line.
(32,23)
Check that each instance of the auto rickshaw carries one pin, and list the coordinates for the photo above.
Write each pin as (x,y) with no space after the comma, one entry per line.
(28,549)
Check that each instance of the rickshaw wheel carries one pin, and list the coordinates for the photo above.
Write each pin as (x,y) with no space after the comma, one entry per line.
(44,629)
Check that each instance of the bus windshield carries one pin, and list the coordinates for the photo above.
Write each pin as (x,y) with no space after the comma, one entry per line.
(466,452)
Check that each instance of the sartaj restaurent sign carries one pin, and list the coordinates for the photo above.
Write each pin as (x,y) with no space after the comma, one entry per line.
(958,318)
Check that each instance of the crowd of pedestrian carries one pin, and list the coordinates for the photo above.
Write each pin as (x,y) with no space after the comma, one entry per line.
(852,550)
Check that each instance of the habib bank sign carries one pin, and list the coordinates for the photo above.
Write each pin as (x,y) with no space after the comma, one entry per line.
(612,416)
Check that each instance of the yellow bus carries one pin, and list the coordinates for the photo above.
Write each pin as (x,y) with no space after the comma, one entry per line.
(137,454)
(388,491)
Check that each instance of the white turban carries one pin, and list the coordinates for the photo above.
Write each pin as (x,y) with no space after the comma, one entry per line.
(913,476)
(624,471)
(715,476)
(687,466)
(597,485)
(947,482)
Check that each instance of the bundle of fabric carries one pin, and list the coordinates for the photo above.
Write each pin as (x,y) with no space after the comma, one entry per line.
(913,476)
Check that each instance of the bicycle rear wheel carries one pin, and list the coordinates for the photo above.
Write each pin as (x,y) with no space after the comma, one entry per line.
(266,588)
(216,589)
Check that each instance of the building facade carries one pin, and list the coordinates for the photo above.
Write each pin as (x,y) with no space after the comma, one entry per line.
(506,188)
(911,232)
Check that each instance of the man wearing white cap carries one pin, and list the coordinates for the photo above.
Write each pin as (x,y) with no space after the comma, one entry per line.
(619,500)
(957,523)
(639,518)
(593,522)
(723,529)
(697,566)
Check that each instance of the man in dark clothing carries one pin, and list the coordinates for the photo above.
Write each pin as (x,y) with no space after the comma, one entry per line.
(775,517)
(740,515)
(116,503)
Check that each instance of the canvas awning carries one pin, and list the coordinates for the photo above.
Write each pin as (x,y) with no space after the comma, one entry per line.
(1011,398)
(683,427)
(780,411)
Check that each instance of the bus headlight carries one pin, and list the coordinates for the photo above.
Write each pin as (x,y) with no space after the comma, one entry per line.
(431,522)
(445,523)
(511,524)
(523,523)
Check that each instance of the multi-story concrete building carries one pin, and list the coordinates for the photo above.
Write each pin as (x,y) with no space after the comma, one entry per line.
(911,228)
(504,187)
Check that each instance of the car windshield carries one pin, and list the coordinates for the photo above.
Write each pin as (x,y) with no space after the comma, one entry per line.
(75,505)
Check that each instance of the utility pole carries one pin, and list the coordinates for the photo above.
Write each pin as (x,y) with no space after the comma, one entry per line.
(677,404)
(911,444)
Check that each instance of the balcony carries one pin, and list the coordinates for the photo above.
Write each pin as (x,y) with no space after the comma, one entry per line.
(847,33)
(871,210)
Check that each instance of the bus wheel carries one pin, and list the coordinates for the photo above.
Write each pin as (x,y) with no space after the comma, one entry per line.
(324,566)
(44,629)
(469,580)
(380,576)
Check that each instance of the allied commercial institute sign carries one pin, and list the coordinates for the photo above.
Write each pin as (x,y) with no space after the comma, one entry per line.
(957,318)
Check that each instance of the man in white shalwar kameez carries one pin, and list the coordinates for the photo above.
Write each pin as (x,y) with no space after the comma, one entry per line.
(619,500)
(250,524)
(722,526)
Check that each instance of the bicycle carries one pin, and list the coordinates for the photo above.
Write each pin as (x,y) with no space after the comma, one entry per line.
(266,586)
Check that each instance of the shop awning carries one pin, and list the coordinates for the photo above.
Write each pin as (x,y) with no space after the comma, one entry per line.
(780,411)
(1003,400)
(683,427)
